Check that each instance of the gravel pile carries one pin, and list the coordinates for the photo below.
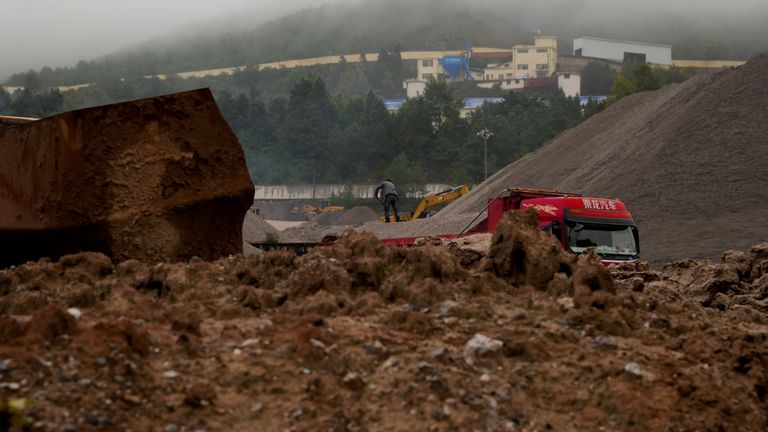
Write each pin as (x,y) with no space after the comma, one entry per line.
(256,229)
(689,160)
(353,216)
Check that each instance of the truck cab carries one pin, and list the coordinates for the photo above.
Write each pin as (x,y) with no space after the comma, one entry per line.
(577,222)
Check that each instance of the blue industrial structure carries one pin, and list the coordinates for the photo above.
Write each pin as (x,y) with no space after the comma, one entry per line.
(456,65)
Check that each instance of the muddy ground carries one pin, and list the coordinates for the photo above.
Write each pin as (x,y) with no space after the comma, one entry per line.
(360,337)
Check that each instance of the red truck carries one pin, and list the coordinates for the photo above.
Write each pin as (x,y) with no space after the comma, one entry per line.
(578,222)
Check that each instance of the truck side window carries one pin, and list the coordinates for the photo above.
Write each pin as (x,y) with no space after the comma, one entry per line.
(556,229)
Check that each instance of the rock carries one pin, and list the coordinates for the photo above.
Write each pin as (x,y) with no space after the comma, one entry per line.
(438,352)
(249,342)
(353,381)
(317,344)
(170,374)
(375,348)
(480,345)
(75,312)
(447,307)
(5,366)
(257,407)
(633,369)
(100,361)
(605,342)
(566,303)
(171,427)
(68,428)
(297,414)
(200,394)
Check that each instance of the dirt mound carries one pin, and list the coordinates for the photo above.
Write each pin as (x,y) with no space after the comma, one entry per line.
(689,160)
(353,216)
(155,179)
(361,336)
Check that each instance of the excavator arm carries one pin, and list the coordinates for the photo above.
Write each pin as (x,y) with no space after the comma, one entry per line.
(439,198)
(433,200)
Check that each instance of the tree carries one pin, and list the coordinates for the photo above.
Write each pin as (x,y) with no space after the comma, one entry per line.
(32,81)
(622,87)
(5,100)
(644,78)
(673,74)
(596,79)
(408,175)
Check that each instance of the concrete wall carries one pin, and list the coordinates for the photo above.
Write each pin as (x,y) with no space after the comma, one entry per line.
(326,191)
(707,64)
(614,50)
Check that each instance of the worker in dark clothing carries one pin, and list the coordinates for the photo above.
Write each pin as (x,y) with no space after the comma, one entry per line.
(387,194)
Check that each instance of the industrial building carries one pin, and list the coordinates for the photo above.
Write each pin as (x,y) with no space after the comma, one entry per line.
(521,61)
(617,50)
(528,61)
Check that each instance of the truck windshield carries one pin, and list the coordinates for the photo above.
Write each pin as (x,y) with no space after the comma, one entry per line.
(608,240)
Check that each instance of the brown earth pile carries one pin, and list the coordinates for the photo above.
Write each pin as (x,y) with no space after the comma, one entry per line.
(690,161)
(154,179)
(361,336)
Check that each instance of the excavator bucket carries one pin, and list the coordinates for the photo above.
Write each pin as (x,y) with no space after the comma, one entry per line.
(158,179)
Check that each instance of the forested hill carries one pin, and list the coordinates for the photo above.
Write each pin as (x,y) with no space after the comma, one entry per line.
(695,32)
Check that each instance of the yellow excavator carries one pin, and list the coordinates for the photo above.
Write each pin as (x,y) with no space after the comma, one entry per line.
(310,211)
(431,201)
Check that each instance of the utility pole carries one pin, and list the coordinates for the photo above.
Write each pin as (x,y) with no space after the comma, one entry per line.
(485,134)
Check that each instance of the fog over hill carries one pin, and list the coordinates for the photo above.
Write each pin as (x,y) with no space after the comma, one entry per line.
(55,33)
(172,36)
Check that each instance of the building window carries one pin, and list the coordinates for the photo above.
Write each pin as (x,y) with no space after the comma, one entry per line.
(541,50)
(509,75)
(522,51)
(427,63)
(522,67)
(426,76)
(567,76)
(541,67)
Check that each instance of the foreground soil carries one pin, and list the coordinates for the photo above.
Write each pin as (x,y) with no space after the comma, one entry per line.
(359,336)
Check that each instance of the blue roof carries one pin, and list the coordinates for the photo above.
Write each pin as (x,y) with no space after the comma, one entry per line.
(584,100)
(394,104)
(475,103)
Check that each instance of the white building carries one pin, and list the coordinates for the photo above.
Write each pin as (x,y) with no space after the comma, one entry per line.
(569,83)
(414,87)
(617,50)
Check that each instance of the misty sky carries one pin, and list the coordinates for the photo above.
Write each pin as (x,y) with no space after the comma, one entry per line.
(35,33)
